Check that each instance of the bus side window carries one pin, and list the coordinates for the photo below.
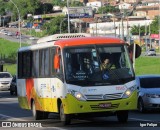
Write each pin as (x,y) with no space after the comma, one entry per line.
(35,66)
(44,60)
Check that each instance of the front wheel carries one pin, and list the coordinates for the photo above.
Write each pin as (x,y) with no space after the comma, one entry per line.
(122,116)
(65,118)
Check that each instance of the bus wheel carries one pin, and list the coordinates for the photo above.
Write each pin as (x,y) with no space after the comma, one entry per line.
(36,114)
(122,116)
(45,115)
(65,118)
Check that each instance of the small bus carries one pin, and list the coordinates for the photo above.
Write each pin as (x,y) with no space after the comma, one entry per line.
(62,74)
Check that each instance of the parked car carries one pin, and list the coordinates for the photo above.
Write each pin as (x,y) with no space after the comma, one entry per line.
(149,92)
(13,86)
(151,52)
(9,34)
(5,80)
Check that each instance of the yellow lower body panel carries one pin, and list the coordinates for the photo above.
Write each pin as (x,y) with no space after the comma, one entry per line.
(23,102)
(42,104)
(72,105)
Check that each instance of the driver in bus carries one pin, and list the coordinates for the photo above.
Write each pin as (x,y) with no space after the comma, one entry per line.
(107,65)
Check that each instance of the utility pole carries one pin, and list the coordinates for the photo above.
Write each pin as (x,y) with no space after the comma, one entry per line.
(0,20)
(159,25)
(146,36)
(150,44)
(68,16)
(139,26)
(114,27)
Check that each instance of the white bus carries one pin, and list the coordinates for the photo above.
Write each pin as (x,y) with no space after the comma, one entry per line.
(61,74)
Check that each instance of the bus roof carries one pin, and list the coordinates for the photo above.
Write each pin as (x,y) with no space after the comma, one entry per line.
(56,37)
(88,41)
(75,42)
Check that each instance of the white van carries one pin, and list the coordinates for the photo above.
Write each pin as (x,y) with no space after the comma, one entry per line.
(5,80)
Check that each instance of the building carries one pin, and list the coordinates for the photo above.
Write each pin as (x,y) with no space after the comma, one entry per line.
(147,8)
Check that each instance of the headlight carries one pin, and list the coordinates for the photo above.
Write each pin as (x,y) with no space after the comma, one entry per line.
(152,95)
(129,91)
(77,95)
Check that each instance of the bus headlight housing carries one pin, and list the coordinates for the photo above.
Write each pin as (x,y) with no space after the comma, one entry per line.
(129,92)
(77,95)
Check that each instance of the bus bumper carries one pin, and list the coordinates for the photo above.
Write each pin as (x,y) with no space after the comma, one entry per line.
(73,106)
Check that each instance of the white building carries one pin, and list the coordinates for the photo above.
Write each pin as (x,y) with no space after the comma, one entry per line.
(108,28)
(124,6)
(95,5)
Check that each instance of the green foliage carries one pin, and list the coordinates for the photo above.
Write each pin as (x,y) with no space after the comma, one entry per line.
(153,28)
(63,3)
(3,7)
(53,27)
(24,6)
(8,48)
(12,68)
(60,3)
(147,65)
(138,29)
(107,9)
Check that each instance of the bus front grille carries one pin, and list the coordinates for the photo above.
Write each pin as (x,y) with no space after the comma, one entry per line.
(98,107)
(112,96)
(104,97)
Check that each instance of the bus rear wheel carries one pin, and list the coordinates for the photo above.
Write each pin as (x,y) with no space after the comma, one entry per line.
(65,118)
(122,116)
(36,114)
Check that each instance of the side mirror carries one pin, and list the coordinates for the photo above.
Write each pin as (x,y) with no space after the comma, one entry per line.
(56,61)
(138,51)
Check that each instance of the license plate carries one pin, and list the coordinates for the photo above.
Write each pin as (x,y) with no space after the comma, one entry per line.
(105,105)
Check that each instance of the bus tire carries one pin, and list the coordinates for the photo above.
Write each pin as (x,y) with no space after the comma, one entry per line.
(122,116)
(65,118)
(36,114)
(45,115)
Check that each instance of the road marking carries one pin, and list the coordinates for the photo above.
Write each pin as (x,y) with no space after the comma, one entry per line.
(144,120)
(10,118)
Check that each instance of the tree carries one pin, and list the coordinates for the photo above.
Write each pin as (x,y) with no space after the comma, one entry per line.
(155,26)
(63,3)
(24,6)
(60,3)
(107,9)
(136,30)
(3,8)
(53,27)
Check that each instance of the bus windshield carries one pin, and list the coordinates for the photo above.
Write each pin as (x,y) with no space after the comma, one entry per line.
(85,65)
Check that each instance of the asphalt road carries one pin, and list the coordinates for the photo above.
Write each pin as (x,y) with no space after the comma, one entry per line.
(24,38)
(10,112)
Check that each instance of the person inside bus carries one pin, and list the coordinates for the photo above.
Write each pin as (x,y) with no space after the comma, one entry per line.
(107,65)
